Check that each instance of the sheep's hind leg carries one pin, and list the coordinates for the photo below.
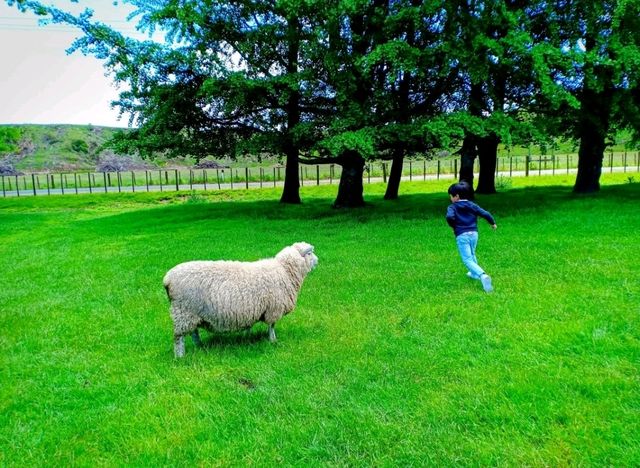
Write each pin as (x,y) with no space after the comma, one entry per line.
(183,324)
(196,338)
(272,333)
(178,346)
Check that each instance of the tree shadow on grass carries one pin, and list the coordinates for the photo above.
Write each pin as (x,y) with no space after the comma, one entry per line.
(407,207)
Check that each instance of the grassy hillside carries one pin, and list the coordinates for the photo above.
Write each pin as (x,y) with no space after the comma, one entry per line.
(59,147)
(71,147)
(392,357)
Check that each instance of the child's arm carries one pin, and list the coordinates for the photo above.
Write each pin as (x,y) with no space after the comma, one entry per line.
(451,216)
(488,216)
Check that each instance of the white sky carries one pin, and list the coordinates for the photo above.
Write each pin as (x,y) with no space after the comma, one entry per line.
(41,84)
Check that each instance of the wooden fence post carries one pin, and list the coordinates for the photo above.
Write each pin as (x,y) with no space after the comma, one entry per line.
(611,161)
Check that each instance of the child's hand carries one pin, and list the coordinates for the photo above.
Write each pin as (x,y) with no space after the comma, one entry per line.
(494,226)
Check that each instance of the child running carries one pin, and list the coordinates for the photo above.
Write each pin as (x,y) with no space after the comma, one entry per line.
(462,216)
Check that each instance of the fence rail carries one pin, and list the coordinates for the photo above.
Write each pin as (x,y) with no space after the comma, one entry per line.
(258,177)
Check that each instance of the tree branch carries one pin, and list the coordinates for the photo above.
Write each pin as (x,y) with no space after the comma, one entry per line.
(320,160)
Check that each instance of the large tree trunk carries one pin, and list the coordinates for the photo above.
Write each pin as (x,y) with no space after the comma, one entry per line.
(595,109)
(393,186)
(590,157)
(291,190)
(467,159)
(402,117)
(488,157)
(350,190)
(469,149)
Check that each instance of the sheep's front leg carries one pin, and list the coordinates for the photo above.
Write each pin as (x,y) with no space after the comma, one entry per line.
(272,332)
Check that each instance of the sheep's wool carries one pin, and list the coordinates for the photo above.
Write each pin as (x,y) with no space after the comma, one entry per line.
(229,295)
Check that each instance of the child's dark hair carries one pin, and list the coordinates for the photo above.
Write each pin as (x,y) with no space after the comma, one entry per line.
(460,188)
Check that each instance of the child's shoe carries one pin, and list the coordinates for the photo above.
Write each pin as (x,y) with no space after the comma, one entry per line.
(486,283)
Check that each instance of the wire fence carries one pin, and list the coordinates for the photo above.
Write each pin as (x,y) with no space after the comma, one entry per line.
(229,178)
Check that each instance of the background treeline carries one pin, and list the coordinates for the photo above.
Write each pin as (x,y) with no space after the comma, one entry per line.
(347,81)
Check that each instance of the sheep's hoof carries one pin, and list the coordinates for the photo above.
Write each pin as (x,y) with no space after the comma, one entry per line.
(272,334)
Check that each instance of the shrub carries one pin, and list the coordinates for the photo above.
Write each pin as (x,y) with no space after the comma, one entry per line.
(80,146)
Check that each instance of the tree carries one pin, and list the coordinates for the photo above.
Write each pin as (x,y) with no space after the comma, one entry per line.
(386,64)
(599,47)
(498,79)
(229,78)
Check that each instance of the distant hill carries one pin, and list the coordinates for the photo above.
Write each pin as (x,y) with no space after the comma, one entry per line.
(58,147)
(34,148)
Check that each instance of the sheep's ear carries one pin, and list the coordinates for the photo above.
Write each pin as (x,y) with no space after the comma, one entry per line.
(307,250)
(303,248)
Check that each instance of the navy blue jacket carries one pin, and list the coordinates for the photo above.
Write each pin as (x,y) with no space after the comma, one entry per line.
(462,216)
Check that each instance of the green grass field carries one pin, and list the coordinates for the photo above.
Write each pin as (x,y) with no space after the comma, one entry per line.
(392,357)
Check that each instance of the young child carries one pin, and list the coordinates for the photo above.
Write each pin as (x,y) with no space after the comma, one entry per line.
(462,216)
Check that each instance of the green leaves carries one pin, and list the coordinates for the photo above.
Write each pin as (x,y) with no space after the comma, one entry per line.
(9,139)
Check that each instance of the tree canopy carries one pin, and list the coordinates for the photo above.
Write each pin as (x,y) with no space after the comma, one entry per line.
(347,81)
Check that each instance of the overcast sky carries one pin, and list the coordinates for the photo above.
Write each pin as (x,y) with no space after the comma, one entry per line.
(40,83)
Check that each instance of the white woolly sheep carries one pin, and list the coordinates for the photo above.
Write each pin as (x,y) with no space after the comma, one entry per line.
(224,296)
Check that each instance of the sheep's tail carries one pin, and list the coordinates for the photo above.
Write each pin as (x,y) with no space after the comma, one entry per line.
(165,282)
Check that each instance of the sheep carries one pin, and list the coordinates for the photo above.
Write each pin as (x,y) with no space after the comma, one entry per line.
(224,296)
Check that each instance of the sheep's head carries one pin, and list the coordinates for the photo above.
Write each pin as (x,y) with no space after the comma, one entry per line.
(301,254)
(306,252)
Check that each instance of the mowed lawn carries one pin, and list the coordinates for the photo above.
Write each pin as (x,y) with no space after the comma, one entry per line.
(391,358)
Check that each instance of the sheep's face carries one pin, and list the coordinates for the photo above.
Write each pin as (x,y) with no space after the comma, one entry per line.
(306,252)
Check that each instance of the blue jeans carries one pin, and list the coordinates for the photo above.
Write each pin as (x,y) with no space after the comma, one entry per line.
(467,242)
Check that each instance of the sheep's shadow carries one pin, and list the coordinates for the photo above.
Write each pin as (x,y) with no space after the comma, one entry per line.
(251,336)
